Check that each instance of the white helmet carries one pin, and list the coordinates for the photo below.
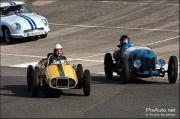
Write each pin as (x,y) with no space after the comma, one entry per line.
(58,46)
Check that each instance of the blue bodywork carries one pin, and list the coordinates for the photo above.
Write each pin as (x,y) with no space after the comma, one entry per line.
(147,57)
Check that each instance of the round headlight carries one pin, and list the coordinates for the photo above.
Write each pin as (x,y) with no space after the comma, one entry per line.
(16,26)
(44,21)
(137,63)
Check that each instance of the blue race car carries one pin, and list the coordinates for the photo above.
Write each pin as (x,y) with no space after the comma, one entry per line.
(139,62)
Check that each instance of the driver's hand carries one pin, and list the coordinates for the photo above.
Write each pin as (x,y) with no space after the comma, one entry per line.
(74,66)
(117,48)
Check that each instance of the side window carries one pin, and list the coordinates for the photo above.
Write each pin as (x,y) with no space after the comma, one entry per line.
(27,9)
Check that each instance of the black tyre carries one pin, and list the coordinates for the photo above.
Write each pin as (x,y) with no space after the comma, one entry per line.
(86,83)
(125,71)
(29,76)
(7,36)
(172,69)
(79,72)
(108,66)
(43,36)
(34,86)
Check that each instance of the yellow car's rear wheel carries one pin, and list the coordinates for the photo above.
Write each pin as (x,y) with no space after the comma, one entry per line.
(35,85)
(29,76)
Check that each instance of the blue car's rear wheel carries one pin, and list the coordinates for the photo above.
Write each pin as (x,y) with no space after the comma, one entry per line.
(108,66)
(125,71)
(172,69)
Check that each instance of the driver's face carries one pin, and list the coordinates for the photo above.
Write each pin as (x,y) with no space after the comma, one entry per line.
(59,52)
(22,10)
(125,41)
(19,10)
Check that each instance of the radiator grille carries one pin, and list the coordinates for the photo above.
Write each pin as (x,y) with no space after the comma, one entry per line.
(150,64)
(62,82)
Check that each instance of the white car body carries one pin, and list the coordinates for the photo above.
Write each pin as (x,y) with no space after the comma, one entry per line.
(30,24)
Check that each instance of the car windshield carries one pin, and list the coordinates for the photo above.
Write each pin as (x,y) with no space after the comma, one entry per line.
(9,10)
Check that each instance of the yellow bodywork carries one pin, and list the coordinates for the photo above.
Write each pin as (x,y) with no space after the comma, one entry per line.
(52,72)
(62,71)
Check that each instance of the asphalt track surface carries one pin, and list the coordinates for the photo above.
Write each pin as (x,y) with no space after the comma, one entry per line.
(88,29)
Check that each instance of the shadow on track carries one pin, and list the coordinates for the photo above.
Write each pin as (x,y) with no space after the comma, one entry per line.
(22,91)
(100,79)
(14,89)
(17,41)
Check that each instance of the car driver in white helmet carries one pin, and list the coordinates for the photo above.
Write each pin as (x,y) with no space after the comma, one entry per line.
(57,57)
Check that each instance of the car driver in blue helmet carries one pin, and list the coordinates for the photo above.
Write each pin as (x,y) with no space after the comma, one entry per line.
(124,39)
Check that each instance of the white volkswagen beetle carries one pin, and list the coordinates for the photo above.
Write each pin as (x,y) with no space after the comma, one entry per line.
(19,21)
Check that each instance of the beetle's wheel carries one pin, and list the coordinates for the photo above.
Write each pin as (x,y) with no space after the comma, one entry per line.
(86,83)
(108,66)
(172,69)
(29,76)
(34,84)
(7,36)
(79,72)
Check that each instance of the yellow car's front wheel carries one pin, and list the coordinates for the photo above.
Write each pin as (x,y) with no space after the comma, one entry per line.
(79,72)
(86,83)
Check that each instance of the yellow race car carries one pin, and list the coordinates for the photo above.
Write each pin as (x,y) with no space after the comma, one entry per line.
(57,76)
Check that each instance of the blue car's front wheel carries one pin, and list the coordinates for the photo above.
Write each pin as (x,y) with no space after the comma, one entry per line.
(125,71)
(172,69)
